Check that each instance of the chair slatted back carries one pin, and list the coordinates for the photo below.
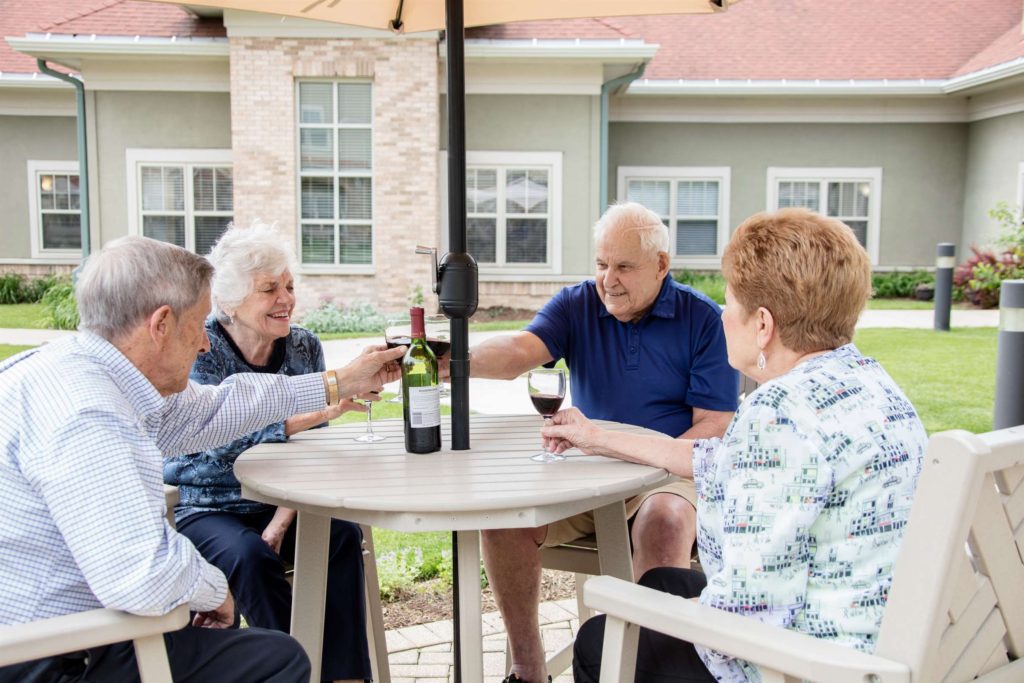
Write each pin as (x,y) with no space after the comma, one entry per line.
(956,606)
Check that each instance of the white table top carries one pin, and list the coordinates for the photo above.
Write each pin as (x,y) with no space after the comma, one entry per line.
(493,485)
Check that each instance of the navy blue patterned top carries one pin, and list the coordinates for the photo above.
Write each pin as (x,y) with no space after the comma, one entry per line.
(206,481)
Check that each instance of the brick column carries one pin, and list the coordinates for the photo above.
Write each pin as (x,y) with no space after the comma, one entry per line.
(404,73)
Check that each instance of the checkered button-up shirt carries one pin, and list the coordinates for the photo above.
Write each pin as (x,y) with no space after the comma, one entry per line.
(82,439)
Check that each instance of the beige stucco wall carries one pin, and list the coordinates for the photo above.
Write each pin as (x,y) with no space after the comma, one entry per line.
(995,152)
(405,152)
(568,124)
(23,139)
(923,169)
(122,120)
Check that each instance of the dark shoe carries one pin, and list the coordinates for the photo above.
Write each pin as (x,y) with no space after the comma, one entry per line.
(514,678)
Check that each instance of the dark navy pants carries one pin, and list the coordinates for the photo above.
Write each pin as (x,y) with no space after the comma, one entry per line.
(197,655)
(659,658)
(256,576)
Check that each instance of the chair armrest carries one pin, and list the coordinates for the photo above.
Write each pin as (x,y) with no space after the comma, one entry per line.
(80,631)
(771,647)
(171,498)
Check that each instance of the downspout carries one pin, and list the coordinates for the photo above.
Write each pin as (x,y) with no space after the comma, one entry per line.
(606,91)
(83,158)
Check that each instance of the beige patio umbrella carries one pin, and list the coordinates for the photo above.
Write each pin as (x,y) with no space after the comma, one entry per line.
(429,15)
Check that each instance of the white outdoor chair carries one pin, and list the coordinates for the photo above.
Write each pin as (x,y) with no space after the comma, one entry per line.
(580,558)
(84,630)
(94,628)
(379,665)
(955,611)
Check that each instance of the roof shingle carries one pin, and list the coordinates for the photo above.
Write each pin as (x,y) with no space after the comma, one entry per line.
(755,39)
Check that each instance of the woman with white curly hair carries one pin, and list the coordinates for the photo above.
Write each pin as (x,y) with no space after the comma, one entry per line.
(251,330)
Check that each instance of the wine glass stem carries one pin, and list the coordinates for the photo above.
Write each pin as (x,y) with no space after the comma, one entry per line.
(369,418)
(547,421)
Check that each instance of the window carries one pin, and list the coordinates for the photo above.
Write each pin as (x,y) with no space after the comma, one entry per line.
(55,206)
(185,197)
(335,173)
(693,202)
(853,195)
(513,212)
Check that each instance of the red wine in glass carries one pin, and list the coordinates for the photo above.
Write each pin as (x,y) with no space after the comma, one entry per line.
(439,346)
(547,390)
(393,342)
(547,404)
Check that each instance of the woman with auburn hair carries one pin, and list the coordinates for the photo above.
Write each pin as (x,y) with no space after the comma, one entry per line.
(802,504)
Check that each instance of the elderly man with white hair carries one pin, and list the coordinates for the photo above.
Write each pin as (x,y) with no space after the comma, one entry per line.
(641,349)
(84,425)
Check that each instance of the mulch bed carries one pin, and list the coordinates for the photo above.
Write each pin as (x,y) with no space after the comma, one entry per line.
(428,601)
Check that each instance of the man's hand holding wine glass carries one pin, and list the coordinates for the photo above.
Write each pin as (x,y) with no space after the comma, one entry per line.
(372,369)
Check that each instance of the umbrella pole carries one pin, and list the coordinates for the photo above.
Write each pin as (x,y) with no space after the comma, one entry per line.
(459,276)
(454,44)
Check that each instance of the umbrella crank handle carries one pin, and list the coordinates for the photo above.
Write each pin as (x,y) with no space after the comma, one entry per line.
(431,251)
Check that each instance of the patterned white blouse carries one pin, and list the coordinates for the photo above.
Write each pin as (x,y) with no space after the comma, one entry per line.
(803,502)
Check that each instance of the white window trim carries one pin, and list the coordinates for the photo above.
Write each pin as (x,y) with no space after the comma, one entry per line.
(553,160)
(135,158)
(336,268)
(35,168)
(872,175)
(721,174)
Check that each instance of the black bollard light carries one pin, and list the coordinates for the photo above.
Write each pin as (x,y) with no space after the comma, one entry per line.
(1009,408)
(945,261)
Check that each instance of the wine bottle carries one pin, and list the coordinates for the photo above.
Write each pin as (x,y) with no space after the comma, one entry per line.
(421,391)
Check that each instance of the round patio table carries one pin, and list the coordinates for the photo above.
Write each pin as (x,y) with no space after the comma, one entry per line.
(324,474)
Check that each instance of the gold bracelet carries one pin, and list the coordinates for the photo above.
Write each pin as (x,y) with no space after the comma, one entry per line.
(332,388)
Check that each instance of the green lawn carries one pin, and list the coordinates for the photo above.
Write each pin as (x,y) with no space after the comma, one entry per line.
(8,350)
(381,411)
(22,316)
(948,376)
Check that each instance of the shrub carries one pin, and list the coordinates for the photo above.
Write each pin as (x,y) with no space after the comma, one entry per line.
(330,318)
(981,275)
(15,289)
(711,284)
(60,307)
(36,289)
(397,571)
(1012,221)
(899,284)
(11,286)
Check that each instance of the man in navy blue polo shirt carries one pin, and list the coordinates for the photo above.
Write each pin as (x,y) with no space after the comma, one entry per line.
(641,349)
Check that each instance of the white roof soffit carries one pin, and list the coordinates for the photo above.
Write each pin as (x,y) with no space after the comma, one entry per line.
(34,80)
(986,76)
(605,50)
(61,47)
(718,87)
(938,86)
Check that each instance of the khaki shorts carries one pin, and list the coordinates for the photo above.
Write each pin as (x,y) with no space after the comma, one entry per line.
(581,525)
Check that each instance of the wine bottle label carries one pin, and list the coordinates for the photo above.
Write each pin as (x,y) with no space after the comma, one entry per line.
(424,406)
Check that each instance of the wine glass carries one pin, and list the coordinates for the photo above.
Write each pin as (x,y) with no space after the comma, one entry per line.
(547,390)
(398,332)
(438,331)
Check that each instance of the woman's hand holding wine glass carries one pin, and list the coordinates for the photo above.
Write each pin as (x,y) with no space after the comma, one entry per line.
(570,428)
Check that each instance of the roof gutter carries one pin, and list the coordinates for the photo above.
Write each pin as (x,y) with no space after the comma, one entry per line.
(606,90)
(83,157)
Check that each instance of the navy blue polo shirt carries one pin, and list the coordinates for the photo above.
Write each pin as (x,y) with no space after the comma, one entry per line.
(651,373)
